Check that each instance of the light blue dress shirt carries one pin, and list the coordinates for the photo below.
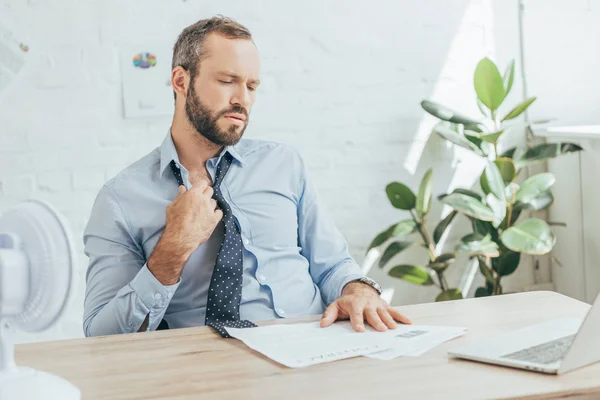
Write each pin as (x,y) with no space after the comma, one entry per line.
(295,260)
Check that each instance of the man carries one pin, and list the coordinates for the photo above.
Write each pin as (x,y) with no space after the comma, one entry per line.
(212,229)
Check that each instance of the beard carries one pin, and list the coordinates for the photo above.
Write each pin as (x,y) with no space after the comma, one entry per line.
(205,121)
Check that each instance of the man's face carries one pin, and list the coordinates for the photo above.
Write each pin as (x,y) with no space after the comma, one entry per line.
(221,95)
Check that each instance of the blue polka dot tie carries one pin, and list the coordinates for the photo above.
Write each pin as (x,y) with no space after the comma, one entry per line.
(225,290)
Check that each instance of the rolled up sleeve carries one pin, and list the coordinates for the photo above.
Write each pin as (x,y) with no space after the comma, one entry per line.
(323,245)
(120,289)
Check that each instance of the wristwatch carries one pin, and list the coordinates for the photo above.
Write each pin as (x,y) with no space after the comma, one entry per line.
(370,282)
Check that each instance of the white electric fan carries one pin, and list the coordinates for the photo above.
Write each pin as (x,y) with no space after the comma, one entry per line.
(37,266)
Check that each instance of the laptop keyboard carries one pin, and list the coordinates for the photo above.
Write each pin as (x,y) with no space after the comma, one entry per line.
(545,353)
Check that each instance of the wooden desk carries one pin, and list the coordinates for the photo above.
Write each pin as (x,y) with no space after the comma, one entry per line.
(196,363)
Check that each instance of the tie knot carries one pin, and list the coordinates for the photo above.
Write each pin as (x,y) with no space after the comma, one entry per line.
(222,169)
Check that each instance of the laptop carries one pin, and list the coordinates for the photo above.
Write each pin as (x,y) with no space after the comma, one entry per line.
(553,347)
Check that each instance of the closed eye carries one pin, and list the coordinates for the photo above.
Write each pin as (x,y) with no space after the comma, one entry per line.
(225,82)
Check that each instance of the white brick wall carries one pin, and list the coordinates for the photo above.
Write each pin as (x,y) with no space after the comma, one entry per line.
(342,83)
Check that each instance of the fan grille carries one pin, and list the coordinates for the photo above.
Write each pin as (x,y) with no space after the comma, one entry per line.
(46,242)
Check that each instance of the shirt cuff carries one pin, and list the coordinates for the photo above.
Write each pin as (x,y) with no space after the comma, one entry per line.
(343,274)
(151,292)
(347,279)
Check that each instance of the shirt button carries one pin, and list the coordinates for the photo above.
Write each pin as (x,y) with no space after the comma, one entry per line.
(246,241)
(157,296)
(281,312)
(262,278)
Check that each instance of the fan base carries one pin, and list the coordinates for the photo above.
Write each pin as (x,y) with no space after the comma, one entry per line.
(26,383)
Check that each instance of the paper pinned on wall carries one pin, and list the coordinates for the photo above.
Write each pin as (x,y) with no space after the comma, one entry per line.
(15,54)
(146,80)
(301,345)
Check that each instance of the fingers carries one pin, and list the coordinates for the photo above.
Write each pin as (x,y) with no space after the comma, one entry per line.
(218,215)
(387,319)
(374,320)
(182,189)
(213,204)
(200,185)
(330,315)
(357,319)
(398,316)
(208,191)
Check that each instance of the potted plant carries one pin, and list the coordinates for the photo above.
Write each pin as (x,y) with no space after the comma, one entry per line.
(499,235)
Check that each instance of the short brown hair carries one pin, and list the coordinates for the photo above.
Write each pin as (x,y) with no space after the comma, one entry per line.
(188,50)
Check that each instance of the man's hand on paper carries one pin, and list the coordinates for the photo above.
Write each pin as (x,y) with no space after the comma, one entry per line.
(360,302)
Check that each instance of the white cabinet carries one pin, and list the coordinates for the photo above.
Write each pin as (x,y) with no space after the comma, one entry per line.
(577,203)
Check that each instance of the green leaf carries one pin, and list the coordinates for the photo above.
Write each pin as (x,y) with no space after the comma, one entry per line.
(446,114)
(488,84)
(541,202)
(494,180)
(424,196)
(484,228)
(492,137)
(519,109)
(450,294)
(380,239)
(412,274)
(485,187)
(545,151)
(510,192)
(474,243)
(442,226)
(508,172)
(532,236)
(466,192)
(469,206)
(509,76)
(473,128)
(507,168)
(400,196)
(473,137)
(507,263)
(457,138)
(483,109)
(509,153)
(392,250)
(446,257)
(485,271)
(534,187)
(442,262)
(499,208)
(402,228)
(513,219)
(482,292)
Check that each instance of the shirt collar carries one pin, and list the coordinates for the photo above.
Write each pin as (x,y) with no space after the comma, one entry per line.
(169,153)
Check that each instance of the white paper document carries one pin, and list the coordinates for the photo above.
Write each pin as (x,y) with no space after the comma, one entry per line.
(416,343)
(301,345)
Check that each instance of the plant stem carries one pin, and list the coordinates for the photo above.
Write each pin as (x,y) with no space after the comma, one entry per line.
(497,287)
(496,127)
(442,280)
(510,210)
(425,235)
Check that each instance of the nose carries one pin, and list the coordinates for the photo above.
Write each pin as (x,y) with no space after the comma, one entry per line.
(242,97)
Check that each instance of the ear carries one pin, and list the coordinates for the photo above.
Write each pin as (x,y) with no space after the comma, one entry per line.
(180,81)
